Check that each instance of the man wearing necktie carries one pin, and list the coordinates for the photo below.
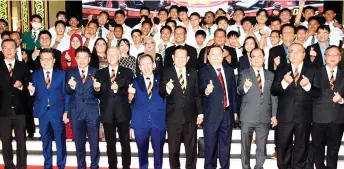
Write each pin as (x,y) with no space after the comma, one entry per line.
(184,111)
(294,86)
(50,107)
(84,111)
(111,88)
(14,80)
(328,116)
(217,85)
(149,113)
(30,39)
(258,108)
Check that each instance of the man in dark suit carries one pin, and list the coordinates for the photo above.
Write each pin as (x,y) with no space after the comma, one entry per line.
(230,55)
(258,109)
(278,55)
(217,85)
(184,111)
(294,86)
(50,107)
(44,40)
(25,56)
(328,116)
(179,38)
(84,111)
(14,80)
(111,87)
(315,54)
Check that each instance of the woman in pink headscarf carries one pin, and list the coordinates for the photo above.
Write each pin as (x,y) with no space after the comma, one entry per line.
(68,57)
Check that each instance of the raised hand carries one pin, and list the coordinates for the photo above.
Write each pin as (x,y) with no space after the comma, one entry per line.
(24,56)
(170,85)
(17,84)
(67,56)
(210,87)
(96,85)
(114,86)
(288,78)
(131,89)
(31,88)
(304,81)
(36,51)
(274,121)
(337,98)
(72,82)
(247,83)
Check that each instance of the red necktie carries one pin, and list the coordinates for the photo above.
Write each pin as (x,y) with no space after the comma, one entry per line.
(222,82)
(83,77)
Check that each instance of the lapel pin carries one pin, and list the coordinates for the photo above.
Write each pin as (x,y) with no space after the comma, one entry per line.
(188,74)
(119,73)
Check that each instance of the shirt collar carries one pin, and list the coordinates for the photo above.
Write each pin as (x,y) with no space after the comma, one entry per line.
(328,69)
(261,70)
(151,77)
(115,68)
(49,70)
(85,69)
(177,69)
(298,68)
(12,62)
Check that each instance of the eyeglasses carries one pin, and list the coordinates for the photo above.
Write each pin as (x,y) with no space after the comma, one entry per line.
(8,48)
(149,43)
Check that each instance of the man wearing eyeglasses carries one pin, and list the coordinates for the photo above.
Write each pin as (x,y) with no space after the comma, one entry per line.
(294,86)
(3,27)
(14,80)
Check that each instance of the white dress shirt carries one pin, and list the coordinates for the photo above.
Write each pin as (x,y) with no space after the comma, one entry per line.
(257,34)
(190,36)
(262,77)
(63,45)
(336,34)
(135,51)
(151,80)
(91,43)
(285,84)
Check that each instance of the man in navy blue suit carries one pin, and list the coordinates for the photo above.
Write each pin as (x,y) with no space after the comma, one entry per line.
(50,107)
(84,110)
(217,85)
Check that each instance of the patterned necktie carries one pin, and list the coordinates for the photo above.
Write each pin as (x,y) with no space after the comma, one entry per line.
(163,54)
(113,75)
(150,87)
(83,77)
(239,31)
(296,76)
(34,36)
(181,80)
(209,31)
(100,32)
(222,82)
(332,80)
(313,40)
(10,69)
(259,80)
(287,55)
(47,80)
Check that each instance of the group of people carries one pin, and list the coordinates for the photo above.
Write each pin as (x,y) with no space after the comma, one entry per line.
(172,73)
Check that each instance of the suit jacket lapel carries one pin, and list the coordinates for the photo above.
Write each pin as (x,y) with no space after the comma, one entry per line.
(176,77)
(143,86)
(213,73)
(41,75)
(253,77)
(188,79)
(338,80)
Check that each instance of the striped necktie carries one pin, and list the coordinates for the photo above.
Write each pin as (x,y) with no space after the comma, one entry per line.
(113,75)
(47,80)
(150,87)
(332,80)
(163,54)
(10,69)
(259,80)
(181,80)
(83,77)
(313,40)
(296,76)
(100,32)
(239,31)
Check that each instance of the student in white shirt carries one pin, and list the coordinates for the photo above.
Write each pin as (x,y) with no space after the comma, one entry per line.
(210,27)
(285,16)
(247,26)
(144,14)
(306,12)
(164,41)
(301,35)
(90,35)
(173,12)
(336,29)
(137,46)
(60,41)
(200,37)
(274,40)
(313,25)
(261,18)
(120,18)
(238,16)
(222,23)
(195,19)
(219,12)
(73,26)
(60,16)
(146,28)
(184,17)
(115,36)
(103,18)
(275,24)
(233,41)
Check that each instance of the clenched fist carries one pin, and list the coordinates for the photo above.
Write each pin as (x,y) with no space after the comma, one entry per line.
(247,83)
(170,85)
(287,78)
(96,85)
(31,88)
(131,89)
(304,81)
(72,82)
(114,86)
(210,87)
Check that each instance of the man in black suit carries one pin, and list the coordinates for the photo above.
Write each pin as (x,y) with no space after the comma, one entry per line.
(328,116)
(230,56)
(179,39)
(15,76)
(23,55)
(294,84)
(111,87)
(315,54)
(278,55)
(44,40)
(184,111)
(217,85)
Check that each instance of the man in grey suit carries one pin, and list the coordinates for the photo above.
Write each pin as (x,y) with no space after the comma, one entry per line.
(258,108)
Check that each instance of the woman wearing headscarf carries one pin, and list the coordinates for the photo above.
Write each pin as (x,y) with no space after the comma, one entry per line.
(68,57)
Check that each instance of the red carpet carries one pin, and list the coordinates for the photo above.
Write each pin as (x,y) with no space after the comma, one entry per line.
(41,167)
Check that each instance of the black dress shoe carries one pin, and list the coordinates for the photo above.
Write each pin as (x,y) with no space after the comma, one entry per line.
(30,136)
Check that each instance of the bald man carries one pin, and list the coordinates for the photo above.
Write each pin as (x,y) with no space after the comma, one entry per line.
(293,84)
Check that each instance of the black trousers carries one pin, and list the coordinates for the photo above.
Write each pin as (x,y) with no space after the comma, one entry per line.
(30,123)
(330,135)
(177,133)
(289,156)
(110,137)
(18,123)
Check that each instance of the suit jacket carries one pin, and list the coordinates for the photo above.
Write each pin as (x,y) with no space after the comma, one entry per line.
(58,99)
(181,107)
(324,110)
(29,43)
(213,103)
(192,53)
(158,64)
(232,53)
(83,104)
(294,103)
(9,95)
(244,63)
(148,112)
(275,52)
(114,107)
(57,65)
(318,60)
(254,108)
